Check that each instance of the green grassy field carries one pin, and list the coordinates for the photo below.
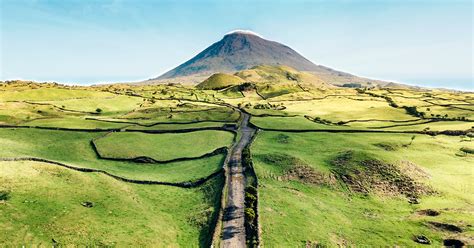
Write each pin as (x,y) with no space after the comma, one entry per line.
(134,144)
(291,123)
(74,122)
(343,109)
(314,206)
(219,114)
(316,188)
(45,203)
(74,148)
(165,126)
(110,105)
(39,93)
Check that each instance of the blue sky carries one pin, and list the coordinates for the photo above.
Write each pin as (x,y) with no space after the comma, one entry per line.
(418,42)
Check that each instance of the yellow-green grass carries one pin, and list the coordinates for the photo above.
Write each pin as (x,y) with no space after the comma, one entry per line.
(162,147)
(160,115)
(45,204)
(435,126)
(291,123)
(251,95)
(450,99)
(274,90)
(451,112)
(74,148)
(50,94)
(301,123)
(177,105)
(376,124)
(231,92)
(205,124)
(260,112)
(13,113)
(74,122)
(402,101)
(295,96)
(268,73)
(279,74)
(343,109)
(293,212)
(435,96)
(219,81)
(108,105)
(464,106)
(182,93)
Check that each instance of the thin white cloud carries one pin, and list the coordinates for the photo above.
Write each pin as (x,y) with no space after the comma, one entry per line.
(243,31)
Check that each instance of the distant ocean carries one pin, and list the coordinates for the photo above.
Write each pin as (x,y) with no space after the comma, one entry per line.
(466,84)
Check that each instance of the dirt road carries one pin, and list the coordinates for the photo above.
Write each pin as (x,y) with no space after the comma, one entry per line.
(233,220)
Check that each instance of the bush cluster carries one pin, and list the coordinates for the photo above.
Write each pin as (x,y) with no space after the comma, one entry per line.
(251,227)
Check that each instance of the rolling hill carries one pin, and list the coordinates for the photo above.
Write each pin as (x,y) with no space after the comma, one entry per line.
(263,74)
(219,81)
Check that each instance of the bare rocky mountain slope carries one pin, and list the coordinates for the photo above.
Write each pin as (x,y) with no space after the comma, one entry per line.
(243,50)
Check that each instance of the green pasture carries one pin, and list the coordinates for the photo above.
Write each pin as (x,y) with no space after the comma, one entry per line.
(14,113)
(164,115)
(204,124)
(74,148)
(340,108)
(111,105)
(44,207)
(74,122)
(297,213)
(271,90)
(38,93)
(291,123)
(166,146)
(304,200)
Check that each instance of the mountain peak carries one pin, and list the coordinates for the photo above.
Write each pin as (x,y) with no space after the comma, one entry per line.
(240,50)
(244,32)
(243,49)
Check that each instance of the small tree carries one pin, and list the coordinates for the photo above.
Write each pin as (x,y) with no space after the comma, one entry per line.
(98,110)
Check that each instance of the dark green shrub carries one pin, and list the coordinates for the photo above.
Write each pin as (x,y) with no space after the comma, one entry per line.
(4,195)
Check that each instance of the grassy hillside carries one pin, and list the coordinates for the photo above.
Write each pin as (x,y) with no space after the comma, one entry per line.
(219,81)
(279,74)
(304,200)
(43,205)
(270,80)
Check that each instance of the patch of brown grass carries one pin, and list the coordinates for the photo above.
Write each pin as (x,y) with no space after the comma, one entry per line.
(365,175)
(307,174)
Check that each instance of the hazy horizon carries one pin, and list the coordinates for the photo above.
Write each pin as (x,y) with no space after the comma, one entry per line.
(425,43)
